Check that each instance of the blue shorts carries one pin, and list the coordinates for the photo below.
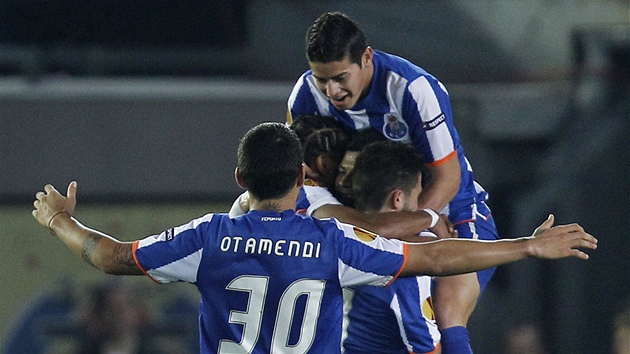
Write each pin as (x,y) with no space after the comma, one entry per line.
(483,228)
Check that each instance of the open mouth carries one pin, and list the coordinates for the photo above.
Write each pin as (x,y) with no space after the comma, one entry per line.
(339,101)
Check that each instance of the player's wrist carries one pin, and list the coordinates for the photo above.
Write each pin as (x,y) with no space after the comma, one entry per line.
(54,219)
(434,217)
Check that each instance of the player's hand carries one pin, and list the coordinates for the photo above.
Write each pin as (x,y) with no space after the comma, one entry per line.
(544,226)
(444,228)
(560,241)
(50,202)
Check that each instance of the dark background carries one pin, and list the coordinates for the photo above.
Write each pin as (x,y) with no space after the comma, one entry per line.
(144,101)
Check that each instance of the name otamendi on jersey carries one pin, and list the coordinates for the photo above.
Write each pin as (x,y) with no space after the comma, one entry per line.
(265,246)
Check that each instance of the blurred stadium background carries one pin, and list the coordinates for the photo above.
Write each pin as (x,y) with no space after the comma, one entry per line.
(143,103)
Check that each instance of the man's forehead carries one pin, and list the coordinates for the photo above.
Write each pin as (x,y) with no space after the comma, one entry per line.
(331,69)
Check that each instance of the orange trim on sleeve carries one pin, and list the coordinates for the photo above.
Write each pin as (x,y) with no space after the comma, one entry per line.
(406,256)
(443,160)
(134,248)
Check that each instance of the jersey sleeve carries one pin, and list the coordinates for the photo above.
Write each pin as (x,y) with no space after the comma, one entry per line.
(368,259)
(306,99)
(312,198)
(173,255)
(428,110)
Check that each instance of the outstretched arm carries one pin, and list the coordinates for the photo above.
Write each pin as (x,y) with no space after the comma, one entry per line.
(402,225)
(456,256)
(104,252)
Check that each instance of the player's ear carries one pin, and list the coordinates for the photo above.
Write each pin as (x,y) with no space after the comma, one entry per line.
(301,176)
(239,179)
(367,56)
(397,199)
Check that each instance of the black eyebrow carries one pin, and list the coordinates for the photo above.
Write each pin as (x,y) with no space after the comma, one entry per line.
(332,78)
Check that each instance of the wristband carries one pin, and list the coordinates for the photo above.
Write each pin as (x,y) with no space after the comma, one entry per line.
(53,216)
(434,217)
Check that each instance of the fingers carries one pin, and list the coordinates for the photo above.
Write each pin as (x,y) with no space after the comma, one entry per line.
(72,190)
(50,189)
(545,225)
(72,197)
(579,254)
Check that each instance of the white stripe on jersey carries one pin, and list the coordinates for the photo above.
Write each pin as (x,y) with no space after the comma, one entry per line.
(350,276)
(395,97)
(186,268)
(359,118)
(320,98)
(295,91)
(439,137)
(317,197)
(395,306)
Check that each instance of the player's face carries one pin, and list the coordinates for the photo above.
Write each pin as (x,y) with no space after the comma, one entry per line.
(344,82)
(411,200)
(343,182)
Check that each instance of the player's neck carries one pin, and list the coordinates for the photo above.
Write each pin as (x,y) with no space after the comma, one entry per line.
(286,202)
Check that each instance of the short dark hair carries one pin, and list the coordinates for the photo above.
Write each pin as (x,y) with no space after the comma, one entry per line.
(269,160)
(382,167)
(364,137)
(332,37)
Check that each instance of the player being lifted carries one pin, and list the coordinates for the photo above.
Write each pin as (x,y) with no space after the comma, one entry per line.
(361,87)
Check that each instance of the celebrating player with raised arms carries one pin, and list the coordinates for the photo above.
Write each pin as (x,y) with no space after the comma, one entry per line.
(271,280)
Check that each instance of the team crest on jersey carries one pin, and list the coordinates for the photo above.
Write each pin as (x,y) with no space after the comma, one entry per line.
(434,122)
(395,127)
(364,235)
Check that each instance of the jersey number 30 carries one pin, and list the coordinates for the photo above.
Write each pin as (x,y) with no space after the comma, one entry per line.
(251,319)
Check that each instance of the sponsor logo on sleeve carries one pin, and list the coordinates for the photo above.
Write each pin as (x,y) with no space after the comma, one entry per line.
(169,234)
(434,122)
(364,235)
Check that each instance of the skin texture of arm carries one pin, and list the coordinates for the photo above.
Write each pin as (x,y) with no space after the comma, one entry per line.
(402,225)
(98,249)
(455,256)
(443,186)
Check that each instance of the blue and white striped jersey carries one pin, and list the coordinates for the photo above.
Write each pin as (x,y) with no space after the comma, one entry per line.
(270,281)
(407,104)
(394,319)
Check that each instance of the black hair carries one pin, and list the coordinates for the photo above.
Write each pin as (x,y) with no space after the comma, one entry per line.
(304,125)
(269,160)
(382,167)
(328,141)
(332,37)
(363,137)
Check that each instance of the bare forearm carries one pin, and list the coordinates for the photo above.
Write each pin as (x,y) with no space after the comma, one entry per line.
(457,256)
(400,224)
(96,248)
(444,184)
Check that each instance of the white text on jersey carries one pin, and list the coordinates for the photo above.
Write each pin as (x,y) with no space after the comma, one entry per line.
(304,249)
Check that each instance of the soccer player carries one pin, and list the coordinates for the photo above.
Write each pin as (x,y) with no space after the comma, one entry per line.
(325,146)
(387,176)
(364,87)
(271,280)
